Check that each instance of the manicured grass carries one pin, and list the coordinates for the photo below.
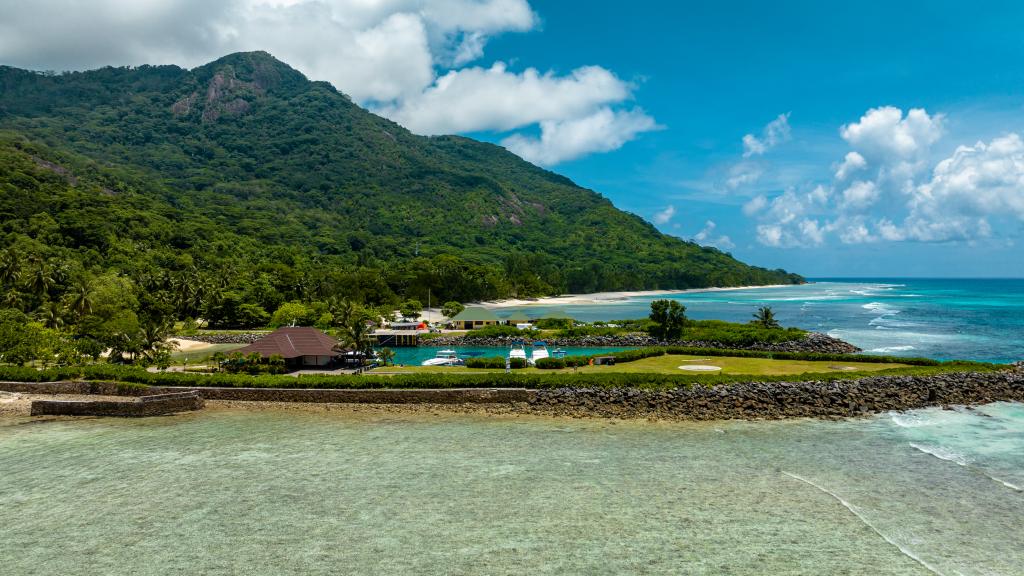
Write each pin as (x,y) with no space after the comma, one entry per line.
(203,354)
(669,364)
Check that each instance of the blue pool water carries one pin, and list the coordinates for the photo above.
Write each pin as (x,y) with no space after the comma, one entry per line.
(414,356)
(975,319)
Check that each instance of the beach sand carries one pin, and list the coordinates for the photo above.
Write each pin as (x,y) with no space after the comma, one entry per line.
(604,297)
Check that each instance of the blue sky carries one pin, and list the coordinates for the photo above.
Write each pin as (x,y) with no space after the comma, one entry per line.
(830,139)
(713,73)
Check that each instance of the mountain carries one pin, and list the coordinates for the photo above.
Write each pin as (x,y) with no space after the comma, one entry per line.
(243,177)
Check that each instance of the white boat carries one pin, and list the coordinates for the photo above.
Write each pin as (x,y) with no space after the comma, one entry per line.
(517,351)
(559,353)
(540,351)
(444,358)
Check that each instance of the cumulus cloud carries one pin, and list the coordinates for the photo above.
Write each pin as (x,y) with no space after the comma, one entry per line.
(707,237)
(894,197)
(859,195)
(496,99)
(406,59)
(853,162)
(774,133)
(664,216)
(559,141)
(886,131)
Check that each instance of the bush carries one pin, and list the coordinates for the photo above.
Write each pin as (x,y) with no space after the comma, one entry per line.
(494,362)
(502,331)
(550,363)
(131,376)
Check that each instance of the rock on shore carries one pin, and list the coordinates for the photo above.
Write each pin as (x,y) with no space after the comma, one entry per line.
(777,400)
(813,342)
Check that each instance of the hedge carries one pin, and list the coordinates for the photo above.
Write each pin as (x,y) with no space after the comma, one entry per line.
(536,380)
(495,362)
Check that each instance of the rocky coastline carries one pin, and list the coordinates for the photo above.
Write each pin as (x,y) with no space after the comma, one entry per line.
(780,400)
(753,400)
(813,342)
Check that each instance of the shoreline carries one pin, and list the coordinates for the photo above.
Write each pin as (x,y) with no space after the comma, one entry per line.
(752,401)
(607,297)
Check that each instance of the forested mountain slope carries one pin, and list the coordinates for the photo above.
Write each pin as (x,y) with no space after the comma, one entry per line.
(241,179)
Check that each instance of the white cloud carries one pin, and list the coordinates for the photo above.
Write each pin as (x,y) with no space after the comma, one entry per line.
(496,99)
(886,132)
(755,205)
(664,216)
(775,132)
(603,131)
(743,173)
(859,195)
(853,162)
(404,58)
(707,237)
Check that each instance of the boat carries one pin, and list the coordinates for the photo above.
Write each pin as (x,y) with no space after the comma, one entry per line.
(444,358)
(559,353)
(540,351)
(517,351)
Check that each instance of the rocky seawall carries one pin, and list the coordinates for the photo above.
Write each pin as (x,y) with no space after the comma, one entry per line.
(813,342)
(747,400)
(778,400)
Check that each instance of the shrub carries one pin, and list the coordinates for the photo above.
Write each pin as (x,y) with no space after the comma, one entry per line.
(550,363)
(502,331)
(497,362)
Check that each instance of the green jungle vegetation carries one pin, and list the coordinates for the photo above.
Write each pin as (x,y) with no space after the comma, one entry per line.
(133,197)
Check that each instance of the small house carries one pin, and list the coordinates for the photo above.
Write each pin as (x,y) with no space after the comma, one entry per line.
(300,346)
(474,317)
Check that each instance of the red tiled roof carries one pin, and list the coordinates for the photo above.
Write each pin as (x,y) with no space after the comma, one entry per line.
(293,342)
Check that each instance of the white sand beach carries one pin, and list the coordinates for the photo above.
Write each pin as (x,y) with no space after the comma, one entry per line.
(603,297)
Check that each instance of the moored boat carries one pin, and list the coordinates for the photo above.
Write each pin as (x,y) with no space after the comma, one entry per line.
(444,358)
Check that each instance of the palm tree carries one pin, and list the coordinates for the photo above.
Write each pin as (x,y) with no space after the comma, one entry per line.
(41,280)
(51,314)
(387,356)
(10,268)
(765,318)
(80,297)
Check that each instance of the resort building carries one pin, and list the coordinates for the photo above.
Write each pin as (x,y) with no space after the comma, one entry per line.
(516,319)
(474,317)
(300,346)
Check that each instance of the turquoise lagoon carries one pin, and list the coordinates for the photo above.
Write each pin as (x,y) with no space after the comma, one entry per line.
(971,319)
(289,492)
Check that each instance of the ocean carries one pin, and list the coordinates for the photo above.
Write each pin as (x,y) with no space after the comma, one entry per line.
(289,492)
(971,319)
(278,492)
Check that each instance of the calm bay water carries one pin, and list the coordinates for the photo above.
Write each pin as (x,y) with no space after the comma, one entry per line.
(415,356)
(937,318)
(224,492)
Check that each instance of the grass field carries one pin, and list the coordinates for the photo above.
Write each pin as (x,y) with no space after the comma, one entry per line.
(669,364)
(202,355)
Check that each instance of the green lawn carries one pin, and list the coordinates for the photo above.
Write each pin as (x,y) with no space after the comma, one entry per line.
(200,356)
(669,364)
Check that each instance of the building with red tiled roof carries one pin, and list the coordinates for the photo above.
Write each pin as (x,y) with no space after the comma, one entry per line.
(300,346)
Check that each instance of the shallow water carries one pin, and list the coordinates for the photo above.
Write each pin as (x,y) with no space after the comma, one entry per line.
(228,492)
(968,319)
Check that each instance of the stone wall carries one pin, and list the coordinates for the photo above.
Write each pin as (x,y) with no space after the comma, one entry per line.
(153,405)
(776,400)
(750,400)
(813,342)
